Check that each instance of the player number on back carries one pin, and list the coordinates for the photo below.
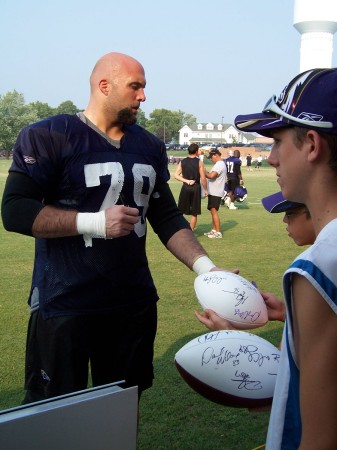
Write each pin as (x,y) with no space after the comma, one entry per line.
(230,166)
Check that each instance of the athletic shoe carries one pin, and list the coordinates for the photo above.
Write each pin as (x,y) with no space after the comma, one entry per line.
(209,232)
(215,235)
(232,206)
(228,202)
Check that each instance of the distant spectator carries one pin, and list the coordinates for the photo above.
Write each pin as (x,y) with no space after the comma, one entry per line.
(249,161)
(191,173)
(216,186)
(259,162)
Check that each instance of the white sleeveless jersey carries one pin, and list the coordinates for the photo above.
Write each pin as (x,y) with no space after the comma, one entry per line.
(318,265)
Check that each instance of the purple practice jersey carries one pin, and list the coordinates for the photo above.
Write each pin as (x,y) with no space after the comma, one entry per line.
(233,165)
(78,169)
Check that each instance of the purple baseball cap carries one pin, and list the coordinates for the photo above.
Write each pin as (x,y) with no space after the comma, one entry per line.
(276,203)
(308,101)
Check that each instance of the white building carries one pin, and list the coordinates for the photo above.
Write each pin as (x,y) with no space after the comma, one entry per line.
(213,133)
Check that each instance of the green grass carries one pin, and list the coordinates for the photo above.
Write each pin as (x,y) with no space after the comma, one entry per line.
(172,415)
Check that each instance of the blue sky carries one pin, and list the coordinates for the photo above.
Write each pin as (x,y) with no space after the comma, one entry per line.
(212,59)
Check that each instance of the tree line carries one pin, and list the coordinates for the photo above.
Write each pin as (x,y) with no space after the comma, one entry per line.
(16,114)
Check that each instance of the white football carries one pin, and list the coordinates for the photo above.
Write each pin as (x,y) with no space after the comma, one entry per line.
(232,297)
(233,368)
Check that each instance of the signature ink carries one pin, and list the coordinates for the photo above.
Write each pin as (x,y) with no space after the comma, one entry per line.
(244,382)
(251,316)
(209,355)
(253,354)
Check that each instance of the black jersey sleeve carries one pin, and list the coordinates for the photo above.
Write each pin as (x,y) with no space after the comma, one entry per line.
(164,215)
(21,203)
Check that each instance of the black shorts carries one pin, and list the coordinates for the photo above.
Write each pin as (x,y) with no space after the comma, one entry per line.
(213,202)
(233,184)
(190,199)
(116,346)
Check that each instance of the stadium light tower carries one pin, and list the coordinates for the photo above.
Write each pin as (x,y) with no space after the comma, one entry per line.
(316,20)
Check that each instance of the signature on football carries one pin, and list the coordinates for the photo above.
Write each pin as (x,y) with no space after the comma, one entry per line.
(223,356)
(244,382)
(247,315)
(209,355)
(241,296)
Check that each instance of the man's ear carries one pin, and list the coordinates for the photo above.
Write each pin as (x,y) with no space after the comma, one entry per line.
(314,145)
(104,87)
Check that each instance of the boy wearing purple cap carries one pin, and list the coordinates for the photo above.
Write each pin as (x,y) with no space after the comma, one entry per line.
(296,216)
(303,123)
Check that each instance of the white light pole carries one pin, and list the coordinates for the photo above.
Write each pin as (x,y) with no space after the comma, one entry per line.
(221,130)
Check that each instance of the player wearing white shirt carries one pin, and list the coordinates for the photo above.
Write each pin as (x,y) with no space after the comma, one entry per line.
(216,180)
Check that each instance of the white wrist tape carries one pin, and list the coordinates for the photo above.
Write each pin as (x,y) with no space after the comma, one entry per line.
(92,224)
(202,265)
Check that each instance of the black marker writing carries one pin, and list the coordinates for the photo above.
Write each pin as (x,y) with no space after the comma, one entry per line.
(244,382)
(253,354)
(241,297)
(251,316)
(209,355)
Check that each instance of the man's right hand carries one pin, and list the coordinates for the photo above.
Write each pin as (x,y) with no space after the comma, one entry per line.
(120,220)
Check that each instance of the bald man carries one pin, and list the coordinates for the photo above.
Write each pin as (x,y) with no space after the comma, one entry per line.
(83,186)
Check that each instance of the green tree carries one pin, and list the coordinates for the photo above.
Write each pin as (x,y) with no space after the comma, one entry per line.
(67,107)
(166,124)
(14,115)
(141,119)
(42,110)
(188,119)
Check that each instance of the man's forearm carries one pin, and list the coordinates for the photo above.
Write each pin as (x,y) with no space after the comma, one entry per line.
(185,247)
(52,222)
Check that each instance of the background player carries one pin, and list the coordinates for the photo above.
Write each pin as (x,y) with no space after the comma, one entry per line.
(234,177)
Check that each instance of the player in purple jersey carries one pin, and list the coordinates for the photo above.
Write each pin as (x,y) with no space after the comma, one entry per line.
(234,177)
(84,186)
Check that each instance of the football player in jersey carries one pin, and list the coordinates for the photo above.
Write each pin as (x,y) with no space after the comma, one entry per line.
(234,177)
(84,186)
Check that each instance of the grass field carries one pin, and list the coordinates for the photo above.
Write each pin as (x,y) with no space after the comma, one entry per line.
(172,416)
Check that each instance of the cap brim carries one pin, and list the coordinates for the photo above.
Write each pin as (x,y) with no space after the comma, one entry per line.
(262,123)
(276,203)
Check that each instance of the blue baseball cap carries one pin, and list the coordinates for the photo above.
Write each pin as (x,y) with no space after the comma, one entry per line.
(308,101)
(276,203)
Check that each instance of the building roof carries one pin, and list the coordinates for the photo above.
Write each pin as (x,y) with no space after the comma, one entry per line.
(194,126)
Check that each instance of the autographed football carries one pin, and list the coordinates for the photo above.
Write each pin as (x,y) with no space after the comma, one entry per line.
(233,368)
(232,297)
